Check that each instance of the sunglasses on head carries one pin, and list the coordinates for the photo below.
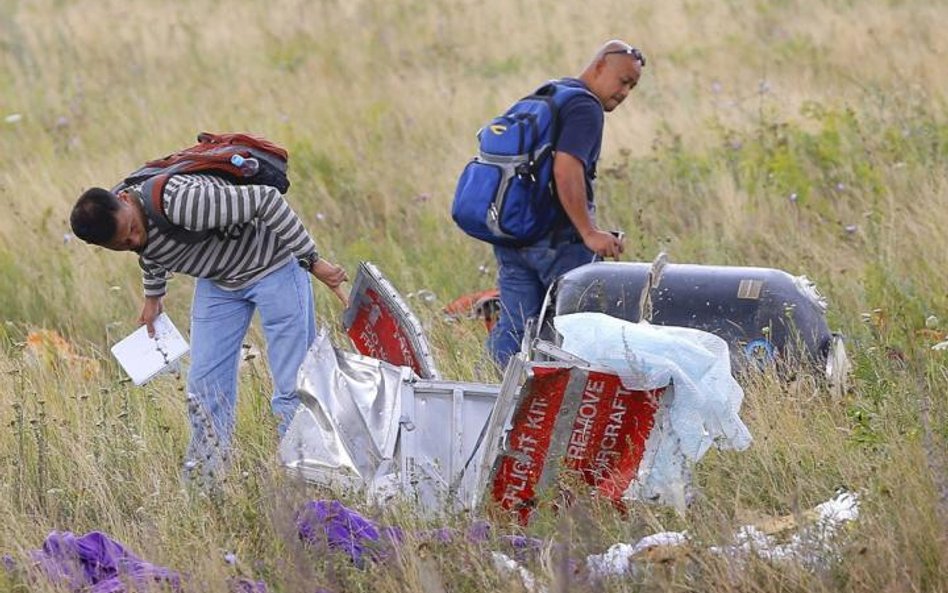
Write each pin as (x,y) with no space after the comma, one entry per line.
(632,51)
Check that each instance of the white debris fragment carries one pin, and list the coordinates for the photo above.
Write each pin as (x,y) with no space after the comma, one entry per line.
(505,563)
(617,559)
(812,545)
(840,509)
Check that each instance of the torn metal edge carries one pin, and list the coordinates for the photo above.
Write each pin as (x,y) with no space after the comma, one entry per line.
(369,276)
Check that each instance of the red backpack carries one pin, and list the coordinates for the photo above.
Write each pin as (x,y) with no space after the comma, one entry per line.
(217,154)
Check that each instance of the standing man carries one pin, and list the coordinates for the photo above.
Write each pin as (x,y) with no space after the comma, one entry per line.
(255,255)
(526,273)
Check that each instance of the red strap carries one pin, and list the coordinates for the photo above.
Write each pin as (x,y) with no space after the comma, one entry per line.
(157,189)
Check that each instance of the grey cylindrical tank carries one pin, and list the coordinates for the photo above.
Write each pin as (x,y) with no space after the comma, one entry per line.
(764,314)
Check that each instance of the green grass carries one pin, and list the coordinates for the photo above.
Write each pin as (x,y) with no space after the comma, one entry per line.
(809,136)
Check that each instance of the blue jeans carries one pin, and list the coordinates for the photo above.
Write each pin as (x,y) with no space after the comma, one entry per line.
(524,274)
(219,322)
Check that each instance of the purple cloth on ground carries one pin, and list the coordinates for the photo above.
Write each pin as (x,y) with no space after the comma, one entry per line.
(98,564)
(323,522)
(95,563)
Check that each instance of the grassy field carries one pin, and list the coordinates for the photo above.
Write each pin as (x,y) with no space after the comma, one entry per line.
(809,136)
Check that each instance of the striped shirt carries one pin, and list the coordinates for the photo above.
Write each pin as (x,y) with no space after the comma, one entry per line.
(260,233)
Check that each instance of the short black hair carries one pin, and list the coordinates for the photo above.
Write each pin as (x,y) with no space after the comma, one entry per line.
(93,216)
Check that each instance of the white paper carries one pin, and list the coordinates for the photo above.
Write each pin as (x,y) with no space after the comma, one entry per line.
(143,357)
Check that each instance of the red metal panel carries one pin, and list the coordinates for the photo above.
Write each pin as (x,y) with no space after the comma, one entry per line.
(609,433)
(382,326)
(608,429)
(519,468)
(376,332)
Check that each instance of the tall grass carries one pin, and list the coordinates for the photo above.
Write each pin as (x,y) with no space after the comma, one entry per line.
(807,136)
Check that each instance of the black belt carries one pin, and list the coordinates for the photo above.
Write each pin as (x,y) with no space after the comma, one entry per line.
(565,234)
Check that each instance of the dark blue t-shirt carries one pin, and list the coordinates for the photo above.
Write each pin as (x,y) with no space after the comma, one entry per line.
(581,121)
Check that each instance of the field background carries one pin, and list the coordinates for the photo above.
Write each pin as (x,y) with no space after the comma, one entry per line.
(809,136)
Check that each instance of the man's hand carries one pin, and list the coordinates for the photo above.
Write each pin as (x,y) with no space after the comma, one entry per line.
(150,311)
(332,276)
(604,243)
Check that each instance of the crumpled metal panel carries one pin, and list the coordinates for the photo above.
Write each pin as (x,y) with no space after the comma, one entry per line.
(379,428)
(348,421)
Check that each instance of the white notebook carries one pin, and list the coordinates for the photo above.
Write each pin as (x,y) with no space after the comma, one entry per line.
(143,357)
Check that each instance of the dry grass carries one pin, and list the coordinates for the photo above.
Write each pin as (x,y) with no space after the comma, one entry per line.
(742,105)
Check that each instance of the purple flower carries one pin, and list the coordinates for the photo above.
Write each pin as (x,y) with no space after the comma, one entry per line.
(441,535)
(479,531)
(245,585)
(524,547)
(523,542)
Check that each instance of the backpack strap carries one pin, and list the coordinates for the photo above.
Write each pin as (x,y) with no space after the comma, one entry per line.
(556,94)
(152,197)
(561,94)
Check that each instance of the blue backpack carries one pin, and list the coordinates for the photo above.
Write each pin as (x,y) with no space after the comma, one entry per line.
(505,194)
